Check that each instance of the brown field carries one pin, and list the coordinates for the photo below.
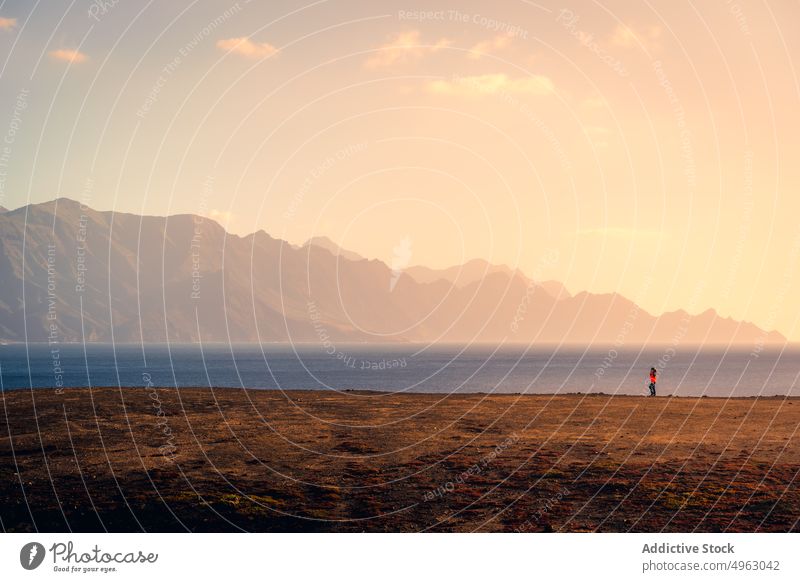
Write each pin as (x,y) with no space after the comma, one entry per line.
(228,460)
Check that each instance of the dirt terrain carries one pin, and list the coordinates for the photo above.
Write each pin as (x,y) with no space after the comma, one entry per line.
(229,460)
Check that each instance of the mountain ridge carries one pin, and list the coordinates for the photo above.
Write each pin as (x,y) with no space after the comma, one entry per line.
(88,275)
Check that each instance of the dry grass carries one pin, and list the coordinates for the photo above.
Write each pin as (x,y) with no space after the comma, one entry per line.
(322,461)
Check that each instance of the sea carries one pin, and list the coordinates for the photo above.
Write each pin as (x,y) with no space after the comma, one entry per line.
(508,369)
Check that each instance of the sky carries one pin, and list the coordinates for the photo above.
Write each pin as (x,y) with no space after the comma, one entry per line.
(638,148)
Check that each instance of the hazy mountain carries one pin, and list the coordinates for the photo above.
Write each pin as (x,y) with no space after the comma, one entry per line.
(475,270)
(459,275)
(75,273)
(323,242)
(3,209)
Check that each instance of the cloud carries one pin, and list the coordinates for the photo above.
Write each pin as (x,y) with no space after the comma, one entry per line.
(403,48)
(247,48)
(620,233)
(597,135)
(594,102)
(8,23)
(645,37)
(489,46)
(221,216)
(493,84)
(69,55)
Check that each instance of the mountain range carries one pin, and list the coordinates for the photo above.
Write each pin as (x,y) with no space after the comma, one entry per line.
(69,273)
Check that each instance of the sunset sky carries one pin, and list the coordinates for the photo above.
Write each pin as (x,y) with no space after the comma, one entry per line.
(650,150)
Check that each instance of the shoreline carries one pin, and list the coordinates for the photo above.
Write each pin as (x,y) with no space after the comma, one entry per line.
(376,392)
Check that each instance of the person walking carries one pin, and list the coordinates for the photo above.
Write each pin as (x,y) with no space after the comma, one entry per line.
(653,380)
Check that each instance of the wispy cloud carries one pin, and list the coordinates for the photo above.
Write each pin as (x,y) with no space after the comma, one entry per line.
(245,47)
(598,135)
(646,37)
(403,48)
(69,55)
(594,102)
(7,23)
(493,84)
(620,232)
(222,216)
(491,45)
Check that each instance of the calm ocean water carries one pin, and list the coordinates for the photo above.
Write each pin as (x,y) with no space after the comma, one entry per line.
(508,369)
